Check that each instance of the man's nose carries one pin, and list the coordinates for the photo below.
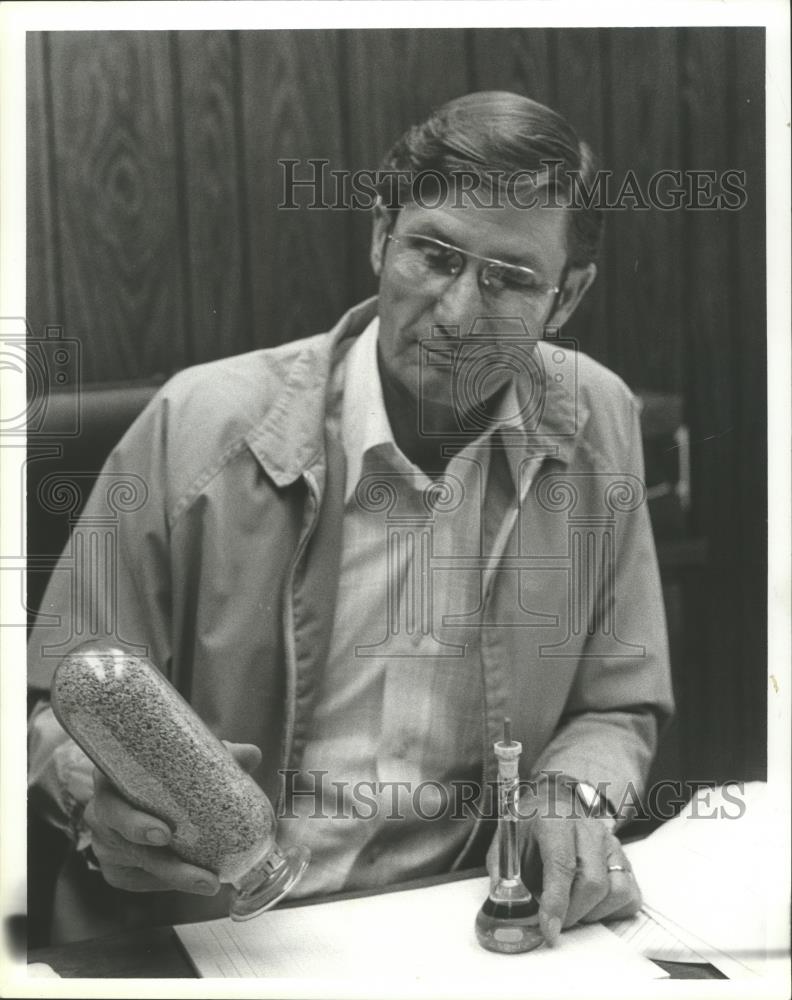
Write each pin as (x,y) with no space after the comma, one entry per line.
(460,302)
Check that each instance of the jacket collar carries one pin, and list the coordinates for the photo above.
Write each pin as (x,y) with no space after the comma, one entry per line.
(290,440)
(555,410)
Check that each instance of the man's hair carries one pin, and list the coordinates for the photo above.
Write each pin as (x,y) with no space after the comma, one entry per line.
(497,136)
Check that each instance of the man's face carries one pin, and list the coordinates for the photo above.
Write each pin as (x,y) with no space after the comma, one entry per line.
(411,311)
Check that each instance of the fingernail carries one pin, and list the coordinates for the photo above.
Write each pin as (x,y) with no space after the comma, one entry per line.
(154,835)
(553,930)
(204,887)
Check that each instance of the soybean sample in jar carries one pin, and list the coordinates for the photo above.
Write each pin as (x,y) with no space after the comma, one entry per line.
(165,761)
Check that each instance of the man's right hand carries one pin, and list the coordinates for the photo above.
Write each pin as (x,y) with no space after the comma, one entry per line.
(132,846)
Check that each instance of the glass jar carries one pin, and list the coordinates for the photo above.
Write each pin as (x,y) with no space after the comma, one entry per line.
(164,760)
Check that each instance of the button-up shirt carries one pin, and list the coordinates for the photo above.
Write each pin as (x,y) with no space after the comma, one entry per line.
(397,722)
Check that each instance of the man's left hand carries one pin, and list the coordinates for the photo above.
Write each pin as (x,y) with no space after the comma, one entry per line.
(566,857)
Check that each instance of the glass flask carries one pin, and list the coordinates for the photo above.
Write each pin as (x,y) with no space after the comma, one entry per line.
(508,920)
(164,760)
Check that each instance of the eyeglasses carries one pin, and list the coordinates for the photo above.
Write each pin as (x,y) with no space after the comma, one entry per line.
(424,259)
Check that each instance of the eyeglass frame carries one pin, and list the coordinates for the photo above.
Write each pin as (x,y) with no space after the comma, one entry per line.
(468,254)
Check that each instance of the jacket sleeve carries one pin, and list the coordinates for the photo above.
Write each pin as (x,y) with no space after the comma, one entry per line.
(111,582)
(60,775)
(607,735)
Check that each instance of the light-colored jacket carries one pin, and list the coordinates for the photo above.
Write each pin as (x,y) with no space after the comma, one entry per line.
(218,522)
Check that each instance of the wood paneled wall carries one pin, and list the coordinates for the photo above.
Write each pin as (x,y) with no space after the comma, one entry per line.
(155,239)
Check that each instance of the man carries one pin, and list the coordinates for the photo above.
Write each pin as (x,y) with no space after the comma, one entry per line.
(359,552)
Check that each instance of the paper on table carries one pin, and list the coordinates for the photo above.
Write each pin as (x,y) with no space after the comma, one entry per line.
(412,937)
(714,875)
(648,937)
(730,967)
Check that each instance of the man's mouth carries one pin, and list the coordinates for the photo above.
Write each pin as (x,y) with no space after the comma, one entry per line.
(445,332)
(438,351)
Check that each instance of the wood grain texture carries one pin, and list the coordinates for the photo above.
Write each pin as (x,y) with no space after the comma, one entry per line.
(292,109)
(712,352)
(749,343)
(220,309)
(117,205)
(44,291)
(579,98)
(517,59)
(710,274)
(643,243)
(392,80)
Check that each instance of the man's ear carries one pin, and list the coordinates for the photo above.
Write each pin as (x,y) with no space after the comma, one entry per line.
(577,283)
(381,224)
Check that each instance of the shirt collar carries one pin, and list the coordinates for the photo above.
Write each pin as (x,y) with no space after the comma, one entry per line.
(365,424)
